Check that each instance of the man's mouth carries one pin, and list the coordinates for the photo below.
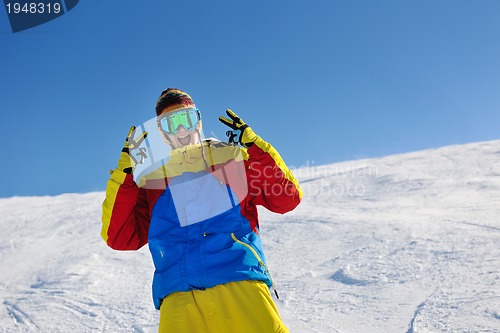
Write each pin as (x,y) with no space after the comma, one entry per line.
(184,140)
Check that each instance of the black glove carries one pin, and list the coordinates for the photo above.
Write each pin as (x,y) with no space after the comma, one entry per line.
(246,135)
(127,161)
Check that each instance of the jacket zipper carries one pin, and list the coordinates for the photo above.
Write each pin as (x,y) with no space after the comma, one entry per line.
(259,259)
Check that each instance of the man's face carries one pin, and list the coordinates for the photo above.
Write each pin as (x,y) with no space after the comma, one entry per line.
(182,138)
(183,135)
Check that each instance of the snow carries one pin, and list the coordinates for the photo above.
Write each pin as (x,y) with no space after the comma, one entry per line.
(406,243)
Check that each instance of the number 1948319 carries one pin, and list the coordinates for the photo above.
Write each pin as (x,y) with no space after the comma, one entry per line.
(33,8)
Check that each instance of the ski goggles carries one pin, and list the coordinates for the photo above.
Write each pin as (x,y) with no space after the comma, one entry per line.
(187,118)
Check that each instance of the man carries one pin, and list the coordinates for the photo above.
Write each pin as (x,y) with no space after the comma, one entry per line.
(198,212)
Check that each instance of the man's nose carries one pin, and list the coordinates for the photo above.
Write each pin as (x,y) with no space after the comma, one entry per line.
(181,129)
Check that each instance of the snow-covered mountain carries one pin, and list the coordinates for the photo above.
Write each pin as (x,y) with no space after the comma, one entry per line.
(406,243)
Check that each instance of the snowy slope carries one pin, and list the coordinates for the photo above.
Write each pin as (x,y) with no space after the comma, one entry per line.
(406,243)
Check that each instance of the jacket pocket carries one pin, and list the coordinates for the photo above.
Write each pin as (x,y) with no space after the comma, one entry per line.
(259,259)
(248,246)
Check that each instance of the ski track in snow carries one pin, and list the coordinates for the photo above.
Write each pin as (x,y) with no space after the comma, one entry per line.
(406,243)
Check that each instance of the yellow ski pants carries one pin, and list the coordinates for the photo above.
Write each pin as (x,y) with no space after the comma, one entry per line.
(234,307)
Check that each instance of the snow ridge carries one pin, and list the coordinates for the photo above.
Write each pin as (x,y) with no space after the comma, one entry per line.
(417,311)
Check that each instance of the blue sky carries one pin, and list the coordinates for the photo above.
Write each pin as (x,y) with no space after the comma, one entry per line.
(323,80)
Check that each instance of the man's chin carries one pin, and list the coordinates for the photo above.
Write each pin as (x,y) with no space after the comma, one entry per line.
(188,140)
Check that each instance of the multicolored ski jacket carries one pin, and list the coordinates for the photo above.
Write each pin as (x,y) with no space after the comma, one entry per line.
(198,212)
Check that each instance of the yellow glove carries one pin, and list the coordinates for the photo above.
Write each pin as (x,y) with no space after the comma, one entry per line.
(246,135)
(127,161)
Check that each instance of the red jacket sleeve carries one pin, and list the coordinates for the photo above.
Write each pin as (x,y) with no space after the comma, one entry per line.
(125,213)
(271,183)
